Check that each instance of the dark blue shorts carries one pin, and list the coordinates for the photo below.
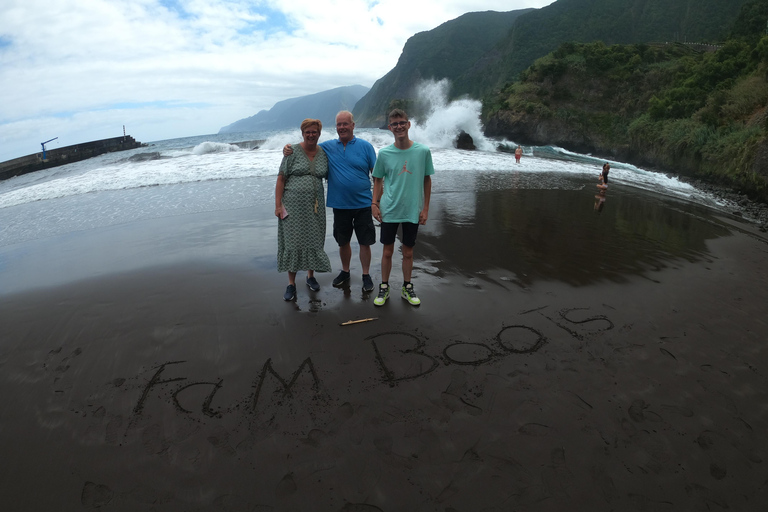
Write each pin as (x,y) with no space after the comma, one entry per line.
(389,233)
(360,221)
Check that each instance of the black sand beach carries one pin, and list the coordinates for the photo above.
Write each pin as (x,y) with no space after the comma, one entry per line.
(561,360)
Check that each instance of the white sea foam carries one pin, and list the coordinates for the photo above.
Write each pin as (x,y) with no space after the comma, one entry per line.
(444,119)
(217,157)
(205,161)
(215,147)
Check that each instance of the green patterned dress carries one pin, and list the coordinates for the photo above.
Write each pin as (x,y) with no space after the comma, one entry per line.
(301,235)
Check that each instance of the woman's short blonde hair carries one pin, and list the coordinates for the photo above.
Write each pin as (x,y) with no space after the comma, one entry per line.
(309,122)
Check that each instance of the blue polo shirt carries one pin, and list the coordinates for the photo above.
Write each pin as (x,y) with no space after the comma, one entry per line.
(349,168)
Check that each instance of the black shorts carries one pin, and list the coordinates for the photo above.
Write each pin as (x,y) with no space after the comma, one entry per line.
(389,232)
(360,221)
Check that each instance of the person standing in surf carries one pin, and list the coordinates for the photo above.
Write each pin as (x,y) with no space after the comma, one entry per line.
(518,154)
(350,162)
(402,186)
(603,185)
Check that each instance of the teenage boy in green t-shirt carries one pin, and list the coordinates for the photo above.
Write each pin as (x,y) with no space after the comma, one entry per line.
(402,186)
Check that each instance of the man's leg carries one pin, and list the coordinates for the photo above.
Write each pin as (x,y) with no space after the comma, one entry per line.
(388,236)
(386,268)
(345,255)
(365,258)
(407,262)
(410,232)
(366,236)
(342,233)
(386,262)
(365,262)
(409,241)
(408,292)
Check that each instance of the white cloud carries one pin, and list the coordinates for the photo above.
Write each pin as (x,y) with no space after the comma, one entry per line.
(81,69)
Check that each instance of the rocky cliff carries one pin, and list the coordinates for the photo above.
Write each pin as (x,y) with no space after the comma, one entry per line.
(481,52)
(454,50)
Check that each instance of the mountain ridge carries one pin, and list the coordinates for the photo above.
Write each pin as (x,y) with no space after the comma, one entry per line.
(291,112)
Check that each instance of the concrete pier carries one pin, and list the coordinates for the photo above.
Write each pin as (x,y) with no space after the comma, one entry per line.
(65,155)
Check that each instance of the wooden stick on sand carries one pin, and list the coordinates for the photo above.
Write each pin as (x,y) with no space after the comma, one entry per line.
(350,322)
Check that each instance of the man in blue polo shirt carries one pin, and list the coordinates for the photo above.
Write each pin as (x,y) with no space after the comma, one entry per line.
(350,162)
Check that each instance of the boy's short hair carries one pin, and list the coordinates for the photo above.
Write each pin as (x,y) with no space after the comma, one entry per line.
(398,112)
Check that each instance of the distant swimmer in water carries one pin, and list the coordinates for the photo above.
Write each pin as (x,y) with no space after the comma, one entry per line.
(603,185)
(518,154)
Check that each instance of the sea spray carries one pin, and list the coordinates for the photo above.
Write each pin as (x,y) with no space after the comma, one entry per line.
(214,147)
(444,120)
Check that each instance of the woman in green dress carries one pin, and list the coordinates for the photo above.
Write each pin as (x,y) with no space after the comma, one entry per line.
(300,208)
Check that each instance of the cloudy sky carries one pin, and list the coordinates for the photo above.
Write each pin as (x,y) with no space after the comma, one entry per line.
(80,70)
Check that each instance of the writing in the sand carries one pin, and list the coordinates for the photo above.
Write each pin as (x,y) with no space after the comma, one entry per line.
(286,385)
(399,356)
(403,356)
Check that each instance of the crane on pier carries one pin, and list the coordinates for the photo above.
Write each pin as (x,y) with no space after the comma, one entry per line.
(44,143)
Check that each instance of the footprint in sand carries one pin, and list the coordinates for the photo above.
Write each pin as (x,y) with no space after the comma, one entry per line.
(707,441)
(56,365)
(286,487)
(96,495)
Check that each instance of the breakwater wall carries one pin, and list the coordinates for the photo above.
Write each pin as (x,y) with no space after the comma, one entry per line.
(65,155)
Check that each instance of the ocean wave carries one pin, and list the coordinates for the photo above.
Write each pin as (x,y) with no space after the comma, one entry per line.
(214,147)
(183,168)
(212,158)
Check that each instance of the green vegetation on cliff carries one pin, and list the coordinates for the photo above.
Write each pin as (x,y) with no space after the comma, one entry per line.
(698,110)
(481,51)
(610,21)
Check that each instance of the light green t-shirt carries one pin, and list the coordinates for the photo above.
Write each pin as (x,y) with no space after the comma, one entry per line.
(403,172)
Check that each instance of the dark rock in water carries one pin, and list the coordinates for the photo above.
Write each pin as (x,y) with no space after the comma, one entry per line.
(464,141)
(249,144)
(143,157)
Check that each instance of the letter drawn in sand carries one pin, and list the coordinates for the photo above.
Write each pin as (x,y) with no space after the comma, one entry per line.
(410,362)
(564,314)
(267,368)
(466,353)
(206,409)
(155,381)
(518,342)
